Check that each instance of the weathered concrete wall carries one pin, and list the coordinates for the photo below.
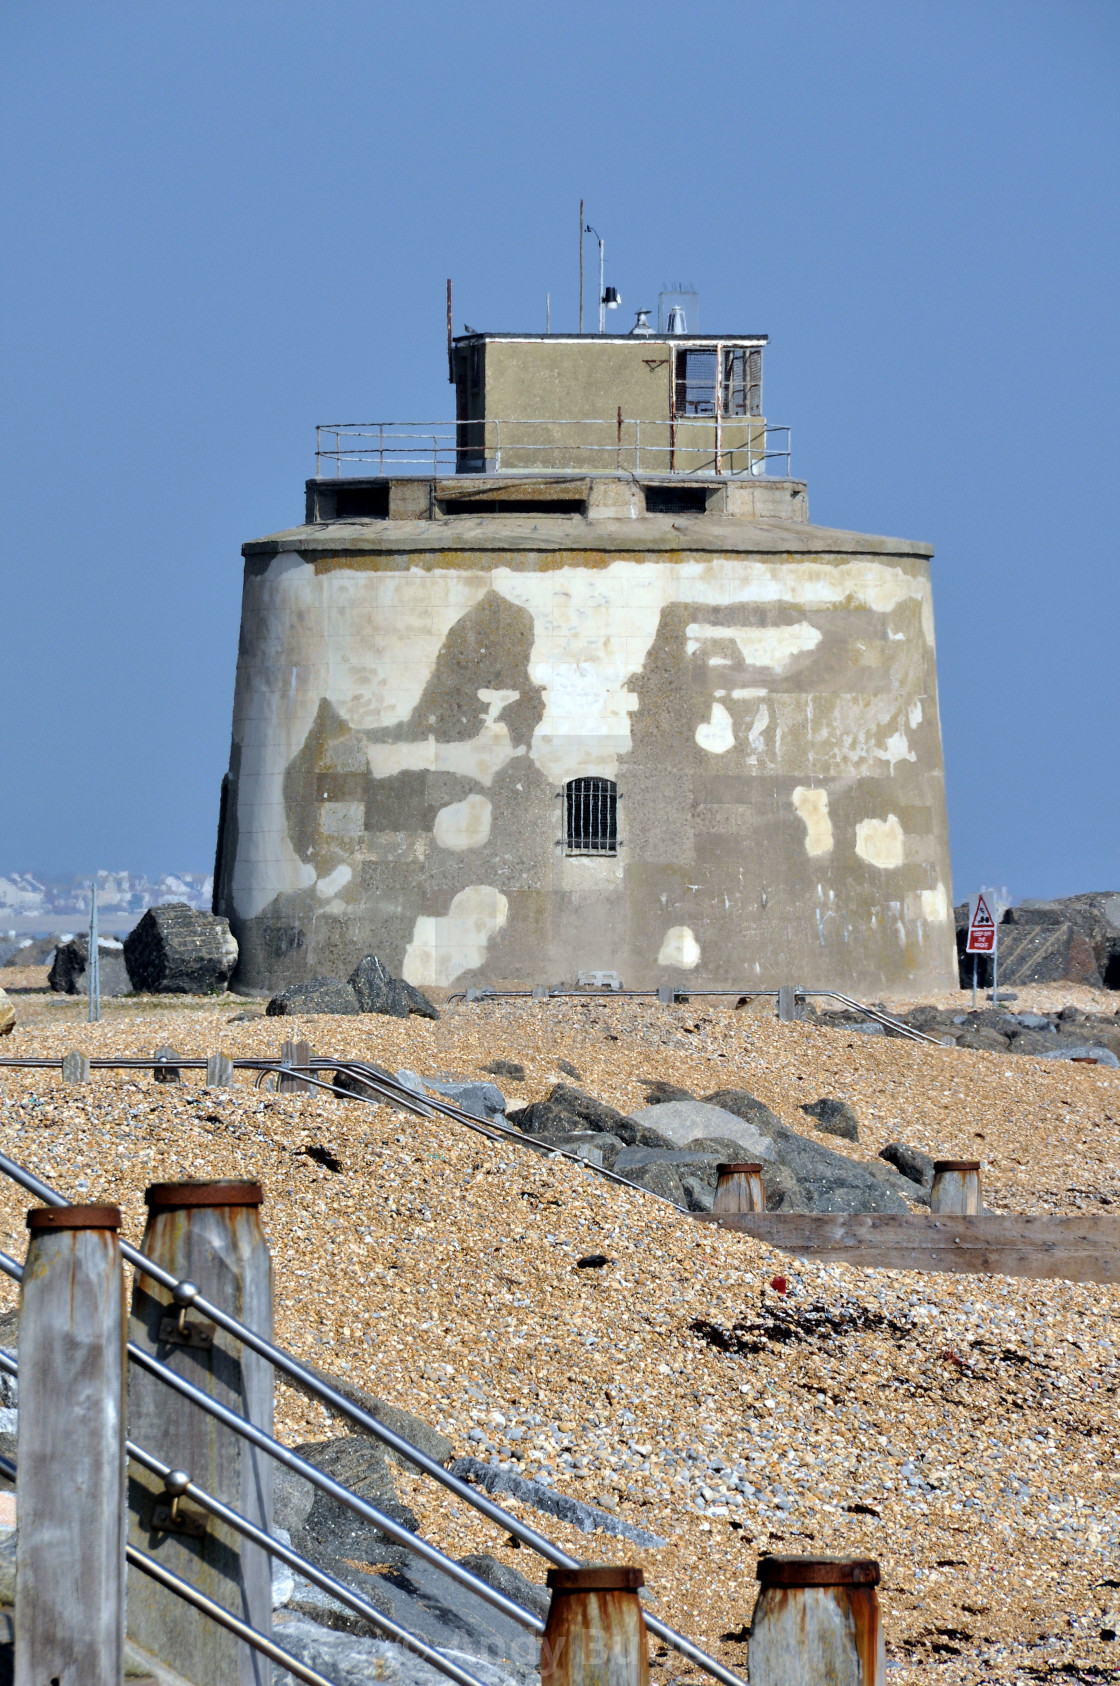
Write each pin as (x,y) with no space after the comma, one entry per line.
(588,381)
(764,694)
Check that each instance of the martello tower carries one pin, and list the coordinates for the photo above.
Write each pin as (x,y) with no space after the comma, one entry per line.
(574,684)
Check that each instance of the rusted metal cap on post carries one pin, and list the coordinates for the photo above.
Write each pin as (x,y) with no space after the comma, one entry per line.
(818,1571)
(74,1217)
(230,1192)
(956,1165)
(602,1577)
(729,1170)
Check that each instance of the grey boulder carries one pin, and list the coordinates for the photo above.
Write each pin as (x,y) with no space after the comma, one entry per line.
(482,1100)
(180,950)
(315,995)
(910,1162)
(826,1181)
(69,974)
(834,1118)
(568,1111)
(681,1121)
(377,991)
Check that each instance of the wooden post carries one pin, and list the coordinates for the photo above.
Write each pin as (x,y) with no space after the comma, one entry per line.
(739,1189)
(166,1068)
(787,1004)
(816,1619)
(956,1187)
(69,1618)
(294,1053)
(75,1067)
(595,1634)
(207,1234)
(219,1072)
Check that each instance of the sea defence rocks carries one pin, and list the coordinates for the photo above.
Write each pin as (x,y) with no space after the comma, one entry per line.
(370,988)
(1075,939)
(673,1149)
(317,995)
(834,1118)
(177,950)
(823,1180)
(69,975)
(377,991)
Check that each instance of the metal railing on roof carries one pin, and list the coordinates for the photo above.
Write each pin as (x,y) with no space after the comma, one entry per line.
(691,445)
(186,1294)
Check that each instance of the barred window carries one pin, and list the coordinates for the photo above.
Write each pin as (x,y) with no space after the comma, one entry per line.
(591,816)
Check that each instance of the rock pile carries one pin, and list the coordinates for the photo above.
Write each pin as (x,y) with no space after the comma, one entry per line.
(370,988)
(1070,1034)
(178,950)
(1075,939)
(674,1147)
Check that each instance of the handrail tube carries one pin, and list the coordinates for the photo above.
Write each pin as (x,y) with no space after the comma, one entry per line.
(225,1618)
(276,1548)
(183,1589)
(288,1554)
(284,1362)
(335,1490)
(310,1571)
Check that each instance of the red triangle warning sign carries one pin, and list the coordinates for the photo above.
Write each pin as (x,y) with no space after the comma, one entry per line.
(981,929)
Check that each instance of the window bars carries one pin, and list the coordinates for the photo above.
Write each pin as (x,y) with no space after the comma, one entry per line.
(591,817)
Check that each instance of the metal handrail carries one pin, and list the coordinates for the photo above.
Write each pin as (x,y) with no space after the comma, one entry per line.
(187,1294)
(287,1554)
(224,1618)
(191,1595)
(326,1483)
(430,446)
(310,1571)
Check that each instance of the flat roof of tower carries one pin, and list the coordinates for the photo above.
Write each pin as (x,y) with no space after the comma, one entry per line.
(619,339)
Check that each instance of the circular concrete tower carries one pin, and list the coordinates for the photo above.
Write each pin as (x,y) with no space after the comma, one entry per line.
(603,700)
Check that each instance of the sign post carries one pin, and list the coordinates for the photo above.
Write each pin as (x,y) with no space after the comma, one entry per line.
(983,937)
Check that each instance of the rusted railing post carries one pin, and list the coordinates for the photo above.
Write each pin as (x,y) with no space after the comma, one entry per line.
(816,1619)
(596,1634)
(739,1189)
(69,1617)
(208,1235)
(956,1187)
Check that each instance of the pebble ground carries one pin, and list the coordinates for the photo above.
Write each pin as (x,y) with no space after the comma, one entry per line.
(961,1429)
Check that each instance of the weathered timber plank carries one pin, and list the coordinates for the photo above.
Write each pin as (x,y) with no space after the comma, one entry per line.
(1039,1245)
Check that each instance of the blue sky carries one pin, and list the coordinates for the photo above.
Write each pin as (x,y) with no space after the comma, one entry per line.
(224,223)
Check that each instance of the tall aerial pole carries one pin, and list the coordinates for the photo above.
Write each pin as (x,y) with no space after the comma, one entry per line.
(581,266)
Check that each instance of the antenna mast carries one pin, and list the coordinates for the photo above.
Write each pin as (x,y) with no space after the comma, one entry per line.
(581,266)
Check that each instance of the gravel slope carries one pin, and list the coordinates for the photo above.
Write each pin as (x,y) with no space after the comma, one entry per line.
(960,1429)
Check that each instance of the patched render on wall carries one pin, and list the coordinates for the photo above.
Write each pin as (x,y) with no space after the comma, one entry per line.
(761,695)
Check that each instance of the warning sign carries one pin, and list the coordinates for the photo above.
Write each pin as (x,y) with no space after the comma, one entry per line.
(982,927)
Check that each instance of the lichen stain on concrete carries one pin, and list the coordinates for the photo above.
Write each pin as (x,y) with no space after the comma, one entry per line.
(463,825)
(760,646)
(716,735)
(881,843)
(445,946)
(679,948)
(811,806)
